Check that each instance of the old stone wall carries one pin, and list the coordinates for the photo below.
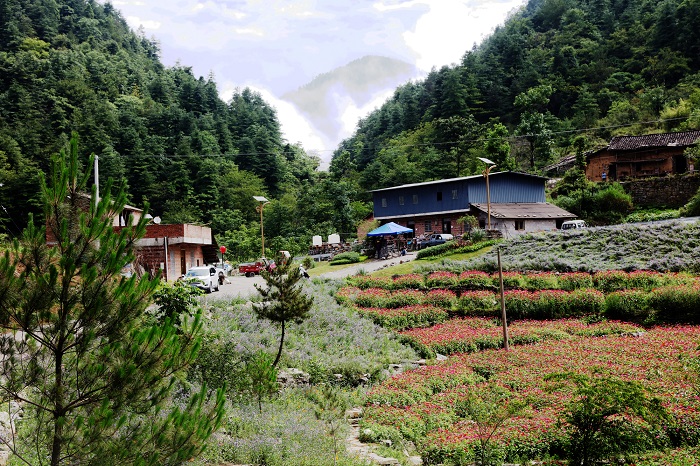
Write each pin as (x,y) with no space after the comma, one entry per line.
(671,191)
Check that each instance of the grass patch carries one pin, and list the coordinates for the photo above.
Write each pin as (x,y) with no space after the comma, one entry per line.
(418,265)
(325,266)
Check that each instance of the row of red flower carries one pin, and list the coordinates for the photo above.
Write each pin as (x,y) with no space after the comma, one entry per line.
(423,405)
(680,303)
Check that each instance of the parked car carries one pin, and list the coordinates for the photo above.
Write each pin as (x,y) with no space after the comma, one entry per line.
(573,224)
(205,277)
(435,239)
(250,269)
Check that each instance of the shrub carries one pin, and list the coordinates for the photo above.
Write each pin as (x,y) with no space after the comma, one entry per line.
(411,280)
(611,280)
(609,417)
(440,298)
(692,208)
(442,279)
(476,302)
(345,258)
(372,297)
(510,279)
(553,304)
(676,303)
(575,280)
(369,281)
(645,279)
(541,281)
(474,279)
(627,304)
(611,203)
(405,317)
(404,298)
(477,235)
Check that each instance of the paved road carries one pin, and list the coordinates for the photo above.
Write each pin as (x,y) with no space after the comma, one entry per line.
(244,286)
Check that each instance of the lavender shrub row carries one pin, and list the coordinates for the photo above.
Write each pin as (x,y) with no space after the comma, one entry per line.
(663,247)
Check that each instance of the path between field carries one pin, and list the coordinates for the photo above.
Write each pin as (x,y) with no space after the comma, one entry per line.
(245,286)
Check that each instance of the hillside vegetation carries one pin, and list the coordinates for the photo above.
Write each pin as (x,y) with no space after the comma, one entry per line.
(75,66)
(556,70)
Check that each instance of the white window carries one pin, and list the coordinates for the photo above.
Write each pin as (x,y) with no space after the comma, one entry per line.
(415,198)
(400,200)
(384,202)
(454,194)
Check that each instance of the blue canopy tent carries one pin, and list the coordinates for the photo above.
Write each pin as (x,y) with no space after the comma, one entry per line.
(390,229)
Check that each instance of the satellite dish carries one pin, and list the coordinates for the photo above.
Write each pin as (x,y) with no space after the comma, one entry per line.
(156,220)
(148,217)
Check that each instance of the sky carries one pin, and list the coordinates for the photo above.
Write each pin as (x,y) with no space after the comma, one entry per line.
(276,46)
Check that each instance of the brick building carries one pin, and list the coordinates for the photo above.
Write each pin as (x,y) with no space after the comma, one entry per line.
(170,248)
(651,155)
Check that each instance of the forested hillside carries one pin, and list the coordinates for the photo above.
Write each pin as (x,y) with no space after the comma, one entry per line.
(560,76)
(74,65)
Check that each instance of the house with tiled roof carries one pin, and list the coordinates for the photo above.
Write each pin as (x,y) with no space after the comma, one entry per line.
(651,155)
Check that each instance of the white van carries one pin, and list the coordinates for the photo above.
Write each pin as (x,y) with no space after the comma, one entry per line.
(573,224)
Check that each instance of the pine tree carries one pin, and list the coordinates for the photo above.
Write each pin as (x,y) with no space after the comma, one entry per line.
(284,299)
(91,370)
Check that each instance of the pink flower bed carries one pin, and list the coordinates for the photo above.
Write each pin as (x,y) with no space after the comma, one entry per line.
(657,359)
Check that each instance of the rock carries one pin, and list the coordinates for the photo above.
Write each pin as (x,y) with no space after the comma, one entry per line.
(353,413)
(414,461)
(440,357)
(387,443)
(292,377)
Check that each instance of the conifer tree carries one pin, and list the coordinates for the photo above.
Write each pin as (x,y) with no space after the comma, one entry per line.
(284,299)
(91,370)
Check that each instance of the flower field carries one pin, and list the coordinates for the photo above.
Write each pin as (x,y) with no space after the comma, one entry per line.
(471,334)
(604,281)
(576,324)
(423,405)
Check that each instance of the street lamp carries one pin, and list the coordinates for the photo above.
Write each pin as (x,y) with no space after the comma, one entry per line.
(488,190)
(259,208)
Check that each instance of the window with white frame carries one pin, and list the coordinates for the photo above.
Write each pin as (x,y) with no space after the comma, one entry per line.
(384,202)
(428,226)
(415,198)
(400,200)
(454,194)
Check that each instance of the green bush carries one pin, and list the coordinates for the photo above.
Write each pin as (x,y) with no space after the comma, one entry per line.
(611,280)
(346,258)
(676,303)
(541,281)
(575,280)
(476,302)
(692,208)
(627,305)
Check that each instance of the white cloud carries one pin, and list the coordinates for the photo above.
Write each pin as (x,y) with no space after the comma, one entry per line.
(148,24)
(451,27)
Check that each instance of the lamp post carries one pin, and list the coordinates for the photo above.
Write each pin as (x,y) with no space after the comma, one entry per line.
(263,202)
(488,190)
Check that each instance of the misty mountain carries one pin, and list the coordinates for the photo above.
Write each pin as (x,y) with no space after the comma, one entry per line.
(325,99)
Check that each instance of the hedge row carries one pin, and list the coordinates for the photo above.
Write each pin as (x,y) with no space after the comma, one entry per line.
(605,281)
(677,303)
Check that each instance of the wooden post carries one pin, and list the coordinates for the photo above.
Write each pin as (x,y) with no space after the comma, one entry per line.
(503,303)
